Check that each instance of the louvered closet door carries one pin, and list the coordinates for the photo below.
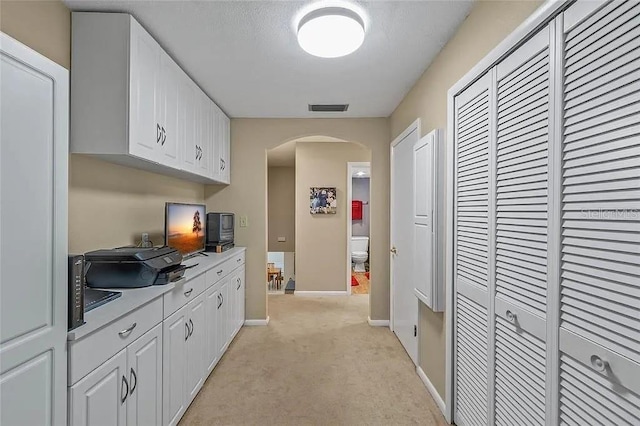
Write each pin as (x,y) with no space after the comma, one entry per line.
(471,248)
(522,137)
(600,282)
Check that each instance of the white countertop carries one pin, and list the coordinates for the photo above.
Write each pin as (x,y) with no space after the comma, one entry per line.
(133,298)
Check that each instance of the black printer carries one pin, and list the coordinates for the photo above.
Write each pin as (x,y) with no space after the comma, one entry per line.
(133,267)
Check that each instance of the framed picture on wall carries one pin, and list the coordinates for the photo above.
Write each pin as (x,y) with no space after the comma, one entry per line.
(323,200)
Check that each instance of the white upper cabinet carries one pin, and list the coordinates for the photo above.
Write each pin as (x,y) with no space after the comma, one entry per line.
(133,105)
(145,106)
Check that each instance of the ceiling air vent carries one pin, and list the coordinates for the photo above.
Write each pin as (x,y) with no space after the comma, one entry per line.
(328,108)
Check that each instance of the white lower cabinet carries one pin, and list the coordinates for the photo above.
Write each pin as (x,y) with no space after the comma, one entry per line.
(174,361)
(195,347)
(124,390)
(99,398)
(145,367)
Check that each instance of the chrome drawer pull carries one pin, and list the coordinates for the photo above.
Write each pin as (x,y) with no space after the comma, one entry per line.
(599,364)
(239,260)
(126,332)
(188,292)
(219,272)
(511,317)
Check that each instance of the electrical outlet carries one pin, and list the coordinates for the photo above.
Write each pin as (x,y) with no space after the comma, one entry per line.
(244,221)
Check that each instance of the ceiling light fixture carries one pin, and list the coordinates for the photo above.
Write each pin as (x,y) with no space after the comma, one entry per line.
(331,32)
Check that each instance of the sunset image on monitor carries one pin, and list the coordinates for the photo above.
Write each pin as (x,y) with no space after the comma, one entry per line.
(184,227)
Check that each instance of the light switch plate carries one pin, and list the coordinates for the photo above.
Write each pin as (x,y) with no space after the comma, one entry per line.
(281,239)
(244,222)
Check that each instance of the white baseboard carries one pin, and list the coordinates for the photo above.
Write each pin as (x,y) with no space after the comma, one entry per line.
(256,322)
(432,390)
(378,323)
(320,293)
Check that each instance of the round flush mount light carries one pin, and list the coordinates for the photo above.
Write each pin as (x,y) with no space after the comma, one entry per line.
(331,32)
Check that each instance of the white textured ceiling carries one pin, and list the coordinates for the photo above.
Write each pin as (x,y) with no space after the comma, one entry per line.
(245,55)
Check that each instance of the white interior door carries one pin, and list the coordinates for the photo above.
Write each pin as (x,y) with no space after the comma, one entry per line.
(33,234)
(422,218)
(404,308)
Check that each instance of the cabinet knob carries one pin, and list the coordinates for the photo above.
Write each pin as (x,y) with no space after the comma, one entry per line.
(219,272)
(511,317)
(188,292)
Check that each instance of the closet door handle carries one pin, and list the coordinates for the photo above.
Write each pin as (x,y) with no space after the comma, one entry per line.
(134,381)
(186,335)
(599,364)
(191,323)
(511,317)
(124,393)
(188,292)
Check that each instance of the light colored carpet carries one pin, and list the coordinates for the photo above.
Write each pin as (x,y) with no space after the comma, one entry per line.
(317,363)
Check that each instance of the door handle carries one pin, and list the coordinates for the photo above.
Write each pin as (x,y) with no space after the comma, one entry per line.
(219,301)
(134,381)
(239,284)
(394,250)
(511,317)
(222,297)
(186,326)
(158,134)
(191,323)
(164,136)
(124,393)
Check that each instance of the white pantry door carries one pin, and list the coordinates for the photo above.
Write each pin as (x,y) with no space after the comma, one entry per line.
(34,116)
(404,309)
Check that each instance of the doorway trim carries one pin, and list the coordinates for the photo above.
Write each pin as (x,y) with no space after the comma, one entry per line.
(413,127)
(350,166)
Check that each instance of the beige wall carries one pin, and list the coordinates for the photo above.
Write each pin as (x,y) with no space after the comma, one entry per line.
(44,26)
(109,205)
(250,139)
(321,249)
(282,208)
(487,25)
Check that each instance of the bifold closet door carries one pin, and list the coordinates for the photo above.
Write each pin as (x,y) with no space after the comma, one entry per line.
(600,269)
(471,248)
(523,82)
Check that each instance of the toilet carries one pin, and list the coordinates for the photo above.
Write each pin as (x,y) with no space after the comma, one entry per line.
(359,253)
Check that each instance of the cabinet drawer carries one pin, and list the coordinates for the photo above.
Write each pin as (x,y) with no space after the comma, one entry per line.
(218,272)
(88,353)
(183,294)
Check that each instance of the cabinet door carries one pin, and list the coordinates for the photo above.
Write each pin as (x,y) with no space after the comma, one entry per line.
(239,299)
(144,368)
(187,124)
(168,111)
(99,398)
(204,134)
(223,317)
(174,366)
(144,128)
(215,169)
(225,149)
(212,302)
(33,288)
(195,347)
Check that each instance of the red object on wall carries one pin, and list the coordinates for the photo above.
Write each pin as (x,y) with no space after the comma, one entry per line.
(356,210)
